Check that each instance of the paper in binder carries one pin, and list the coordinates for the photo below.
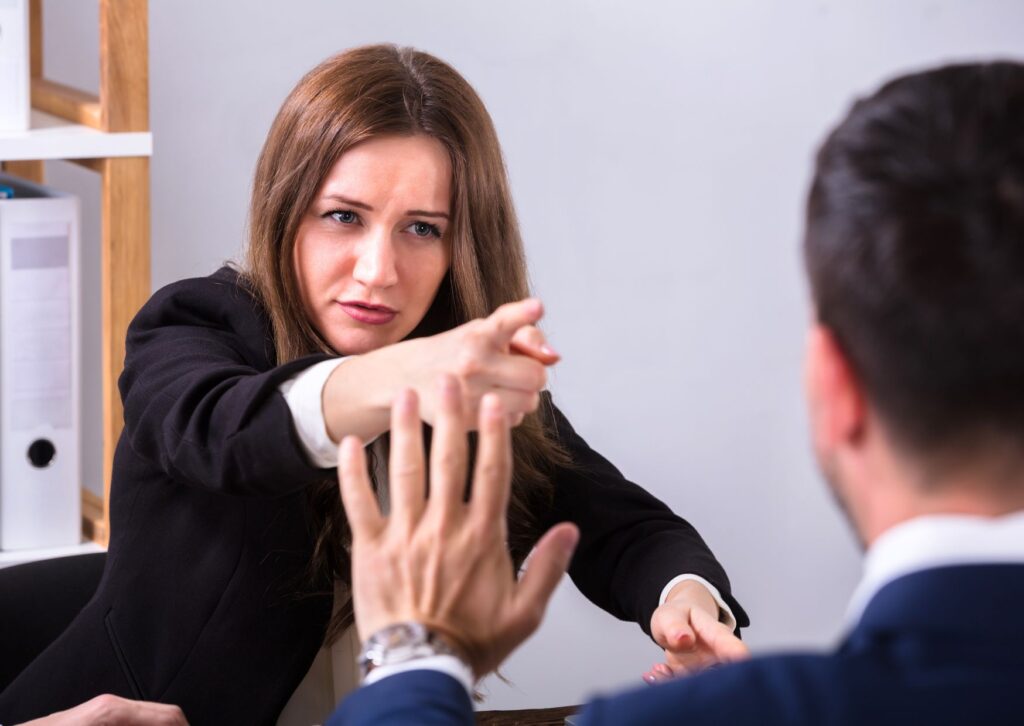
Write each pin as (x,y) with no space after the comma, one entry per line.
(40,498)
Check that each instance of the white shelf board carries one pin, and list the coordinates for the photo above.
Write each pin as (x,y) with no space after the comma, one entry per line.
(17,557)
(54,138)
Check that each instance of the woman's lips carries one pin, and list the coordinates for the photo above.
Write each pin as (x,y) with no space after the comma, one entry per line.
(367,313)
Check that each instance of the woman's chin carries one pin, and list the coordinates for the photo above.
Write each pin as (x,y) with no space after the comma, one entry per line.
(357,342)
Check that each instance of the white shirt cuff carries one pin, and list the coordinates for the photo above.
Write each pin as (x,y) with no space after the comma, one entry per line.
(444,663)
(303,393)
(725,615)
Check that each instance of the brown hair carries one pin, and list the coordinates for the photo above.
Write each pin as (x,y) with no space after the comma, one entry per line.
(354,96)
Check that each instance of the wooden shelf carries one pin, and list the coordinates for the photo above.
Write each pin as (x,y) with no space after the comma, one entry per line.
(54,138)
(108,134)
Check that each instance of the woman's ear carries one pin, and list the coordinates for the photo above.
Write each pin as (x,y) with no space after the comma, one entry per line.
(835,398)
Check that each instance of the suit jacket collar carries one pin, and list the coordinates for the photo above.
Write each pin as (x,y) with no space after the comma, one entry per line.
(977,601)
(934,541)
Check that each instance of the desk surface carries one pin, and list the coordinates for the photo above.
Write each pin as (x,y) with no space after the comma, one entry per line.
(528,717)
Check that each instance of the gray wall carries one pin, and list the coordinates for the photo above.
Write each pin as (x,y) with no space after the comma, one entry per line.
(659,154)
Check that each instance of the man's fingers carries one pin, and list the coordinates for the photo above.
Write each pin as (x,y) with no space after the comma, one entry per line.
(448,450)
(356,490)
(405,466)
(510,317)
(717,637)
(544,570)
(492,475)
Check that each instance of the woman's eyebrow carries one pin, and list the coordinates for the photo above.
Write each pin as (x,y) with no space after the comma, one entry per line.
(368,208)
(423,213)
(346,200)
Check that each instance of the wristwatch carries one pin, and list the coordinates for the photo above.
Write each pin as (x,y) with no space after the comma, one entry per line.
(399,643)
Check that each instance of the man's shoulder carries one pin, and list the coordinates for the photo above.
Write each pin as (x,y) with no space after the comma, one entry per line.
(771,689)
(880,686)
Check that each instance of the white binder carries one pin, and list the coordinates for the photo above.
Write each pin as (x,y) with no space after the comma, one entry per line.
(15,99)
(40,497)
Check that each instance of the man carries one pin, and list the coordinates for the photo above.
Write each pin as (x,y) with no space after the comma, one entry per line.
(915,383)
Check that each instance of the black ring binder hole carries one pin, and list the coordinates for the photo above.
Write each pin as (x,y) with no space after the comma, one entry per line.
(41,453)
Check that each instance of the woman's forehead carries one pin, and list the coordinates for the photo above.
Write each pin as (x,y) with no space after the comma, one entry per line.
(415,167)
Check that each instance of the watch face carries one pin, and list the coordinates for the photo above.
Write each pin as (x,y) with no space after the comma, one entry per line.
(403,634)
(394,644)
(399,643)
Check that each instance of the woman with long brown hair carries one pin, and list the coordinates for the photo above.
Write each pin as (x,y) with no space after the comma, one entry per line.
(384,251)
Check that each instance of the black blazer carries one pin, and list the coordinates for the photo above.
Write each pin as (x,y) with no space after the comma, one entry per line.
(204,601)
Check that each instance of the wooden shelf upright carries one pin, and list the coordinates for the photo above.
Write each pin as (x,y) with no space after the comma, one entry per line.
(108,134)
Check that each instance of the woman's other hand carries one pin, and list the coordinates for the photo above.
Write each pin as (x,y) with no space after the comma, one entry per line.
(504,354)
(686,625)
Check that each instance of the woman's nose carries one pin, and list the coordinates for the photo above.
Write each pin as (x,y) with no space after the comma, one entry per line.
(375,266)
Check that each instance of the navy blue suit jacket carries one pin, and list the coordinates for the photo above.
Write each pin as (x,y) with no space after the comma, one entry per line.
(940,646)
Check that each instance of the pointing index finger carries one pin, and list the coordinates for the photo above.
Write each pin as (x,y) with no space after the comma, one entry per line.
(510,317)
(530,341)
(719,639)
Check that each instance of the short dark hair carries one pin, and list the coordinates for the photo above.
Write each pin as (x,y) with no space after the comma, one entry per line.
(914,248)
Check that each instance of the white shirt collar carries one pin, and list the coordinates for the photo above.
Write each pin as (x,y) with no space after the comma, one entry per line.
(936,541)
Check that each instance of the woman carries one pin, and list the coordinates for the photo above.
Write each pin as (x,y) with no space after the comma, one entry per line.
(383,251)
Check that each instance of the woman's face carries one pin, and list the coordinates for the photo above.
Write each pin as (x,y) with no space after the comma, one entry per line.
(372,249)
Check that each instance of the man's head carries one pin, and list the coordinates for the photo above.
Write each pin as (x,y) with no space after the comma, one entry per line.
(915,252)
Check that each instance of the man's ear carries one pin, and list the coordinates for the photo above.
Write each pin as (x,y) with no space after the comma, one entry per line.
(835,396)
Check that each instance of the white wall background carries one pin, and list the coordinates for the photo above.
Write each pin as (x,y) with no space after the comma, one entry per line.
(659,154)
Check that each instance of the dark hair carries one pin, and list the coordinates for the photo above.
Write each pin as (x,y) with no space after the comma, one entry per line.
(915,251)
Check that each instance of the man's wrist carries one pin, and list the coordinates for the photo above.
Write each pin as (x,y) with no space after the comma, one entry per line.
(402,643)
(446,664)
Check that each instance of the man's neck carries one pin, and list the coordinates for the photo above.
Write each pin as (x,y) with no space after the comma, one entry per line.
(904,503)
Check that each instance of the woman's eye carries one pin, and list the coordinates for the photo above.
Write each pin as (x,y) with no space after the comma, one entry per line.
(344,216)
(425,229)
